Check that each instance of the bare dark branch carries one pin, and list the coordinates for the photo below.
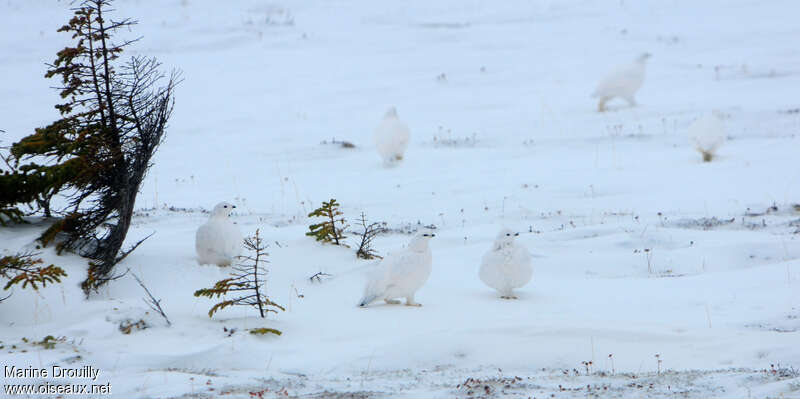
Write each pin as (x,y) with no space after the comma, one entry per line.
(318,277)
(368,233)
(155,304)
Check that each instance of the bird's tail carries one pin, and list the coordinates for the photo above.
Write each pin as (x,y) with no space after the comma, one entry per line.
(375,287)
(367,299)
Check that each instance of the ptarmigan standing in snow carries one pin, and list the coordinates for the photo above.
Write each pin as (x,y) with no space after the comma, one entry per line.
(507,265)
(218,241)
(391,137)
(623,82)
(400,274)
(708,134)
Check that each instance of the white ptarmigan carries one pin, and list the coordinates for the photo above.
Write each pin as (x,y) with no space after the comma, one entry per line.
(707,134)
(623,82)
(391,137)
(507,265)
(218,241)
(400,274)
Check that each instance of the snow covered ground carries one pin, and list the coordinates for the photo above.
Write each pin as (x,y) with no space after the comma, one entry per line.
(673,277)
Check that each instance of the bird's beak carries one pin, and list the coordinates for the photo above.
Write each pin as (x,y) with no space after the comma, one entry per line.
(516,234)
(234,206)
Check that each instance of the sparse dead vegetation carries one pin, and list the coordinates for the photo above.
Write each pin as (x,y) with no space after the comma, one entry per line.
(340,143)
(367,234)
(445,138)
(704,223)
(319,277)
(128,326)
(151,301)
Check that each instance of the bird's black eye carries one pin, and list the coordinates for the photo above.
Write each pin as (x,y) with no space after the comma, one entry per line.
(508,234)
(233,206)
(224,206)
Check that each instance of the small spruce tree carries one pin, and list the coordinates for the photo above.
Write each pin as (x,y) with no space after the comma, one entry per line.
(16,187)
(331,230)
(26,269)
(246,286)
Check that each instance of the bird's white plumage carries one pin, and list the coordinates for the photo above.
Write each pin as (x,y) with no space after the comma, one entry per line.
(622,82)
(507,265)
(218,241)
(707,134)
(391,137)
(400,274)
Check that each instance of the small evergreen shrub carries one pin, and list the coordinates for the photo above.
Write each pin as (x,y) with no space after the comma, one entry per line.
(27,269)
(246,286)
(331,230)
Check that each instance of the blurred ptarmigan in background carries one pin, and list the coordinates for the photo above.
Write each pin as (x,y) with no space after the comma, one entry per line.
(707,133)
(623,82)
(391,137)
